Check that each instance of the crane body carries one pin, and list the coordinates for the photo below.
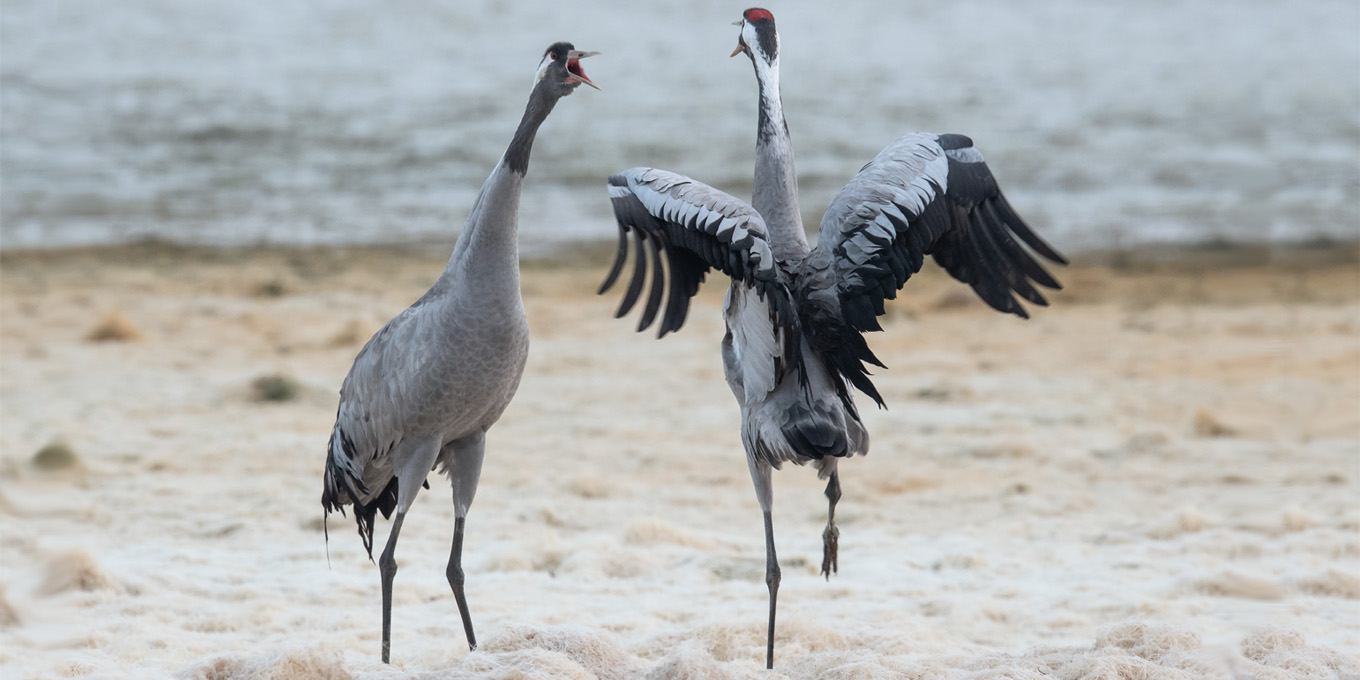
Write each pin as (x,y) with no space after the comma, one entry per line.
(426,388)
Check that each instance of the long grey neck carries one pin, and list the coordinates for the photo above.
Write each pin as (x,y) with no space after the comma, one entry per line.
(775,193)
(489,244)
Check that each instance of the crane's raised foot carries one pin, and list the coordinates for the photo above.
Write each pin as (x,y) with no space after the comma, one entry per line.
(830,539)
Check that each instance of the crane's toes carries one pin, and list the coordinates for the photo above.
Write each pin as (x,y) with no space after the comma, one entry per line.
(830,540)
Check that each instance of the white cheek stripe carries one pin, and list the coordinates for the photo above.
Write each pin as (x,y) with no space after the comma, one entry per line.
(542,69)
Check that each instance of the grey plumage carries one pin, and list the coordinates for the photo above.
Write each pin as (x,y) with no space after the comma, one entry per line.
(425,389)
(796,315)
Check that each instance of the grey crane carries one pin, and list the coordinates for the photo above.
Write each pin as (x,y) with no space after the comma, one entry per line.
(429,384)
(795,315)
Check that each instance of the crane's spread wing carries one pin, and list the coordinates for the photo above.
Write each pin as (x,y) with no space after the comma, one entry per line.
(924,194)
(693,228)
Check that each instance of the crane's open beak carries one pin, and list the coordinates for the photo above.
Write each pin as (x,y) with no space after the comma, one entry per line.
(741,46)
(574,71)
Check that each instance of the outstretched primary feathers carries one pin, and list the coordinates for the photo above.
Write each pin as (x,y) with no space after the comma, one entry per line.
(796,316)
(923,195)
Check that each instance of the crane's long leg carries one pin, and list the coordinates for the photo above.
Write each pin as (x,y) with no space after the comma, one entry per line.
(413,461)
(464,457)
(760,476)
(772,582)
(455,574)
(387,565)
(831,536)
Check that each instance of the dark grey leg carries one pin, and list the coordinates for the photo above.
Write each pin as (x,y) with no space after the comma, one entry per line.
(831,537)
(465,456)
(771,580)
(455,574)
(387,565)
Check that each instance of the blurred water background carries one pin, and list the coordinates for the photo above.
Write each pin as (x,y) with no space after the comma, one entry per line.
(1110,124)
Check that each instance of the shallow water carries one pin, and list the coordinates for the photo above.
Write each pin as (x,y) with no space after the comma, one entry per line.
(1108,123)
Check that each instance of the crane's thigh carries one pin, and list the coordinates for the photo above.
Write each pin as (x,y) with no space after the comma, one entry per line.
(464,460)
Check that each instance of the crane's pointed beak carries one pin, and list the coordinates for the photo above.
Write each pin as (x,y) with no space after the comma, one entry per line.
(741,46)
(574,70)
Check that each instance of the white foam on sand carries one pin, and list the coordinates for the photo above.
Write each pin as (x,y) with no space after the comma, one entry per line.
(1132,649)
(1038,502)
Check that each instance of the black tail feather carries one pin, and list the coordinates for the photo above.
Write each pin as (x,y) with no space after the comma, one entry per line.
(364,514)
(338,492)
(843,348)
(785,318)
(812,435)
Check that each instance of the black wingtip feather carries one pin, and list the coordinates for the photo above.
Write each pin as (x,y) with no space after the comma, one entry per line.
(620,257)
(639,275)
(995,282)
(658,286)
(689,248)
(1026,234)
(1010,259)
(969,229)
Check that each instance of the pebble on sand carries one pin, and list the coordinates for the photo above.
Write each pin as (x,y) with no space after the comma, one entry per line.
(1206,425)
(277,387)
(114,327)
(73,569)
(1296,519)
(8,617)
(55,457)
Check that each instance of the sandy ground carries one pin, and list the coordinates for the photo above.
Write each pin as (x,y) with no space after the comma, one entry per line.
(1155,478)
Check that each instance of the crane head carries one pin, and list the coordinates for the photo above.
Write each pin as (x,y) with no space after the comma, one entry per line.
(561,67)
(758,38)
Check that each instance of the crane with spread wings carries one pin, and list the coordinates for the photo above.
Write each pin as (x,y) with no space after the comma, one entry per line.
(796,315)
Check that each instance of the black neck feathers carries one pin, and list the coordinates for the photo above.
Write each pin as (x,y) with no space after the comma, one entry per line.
(765,35)
(767,127)
(541,103)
